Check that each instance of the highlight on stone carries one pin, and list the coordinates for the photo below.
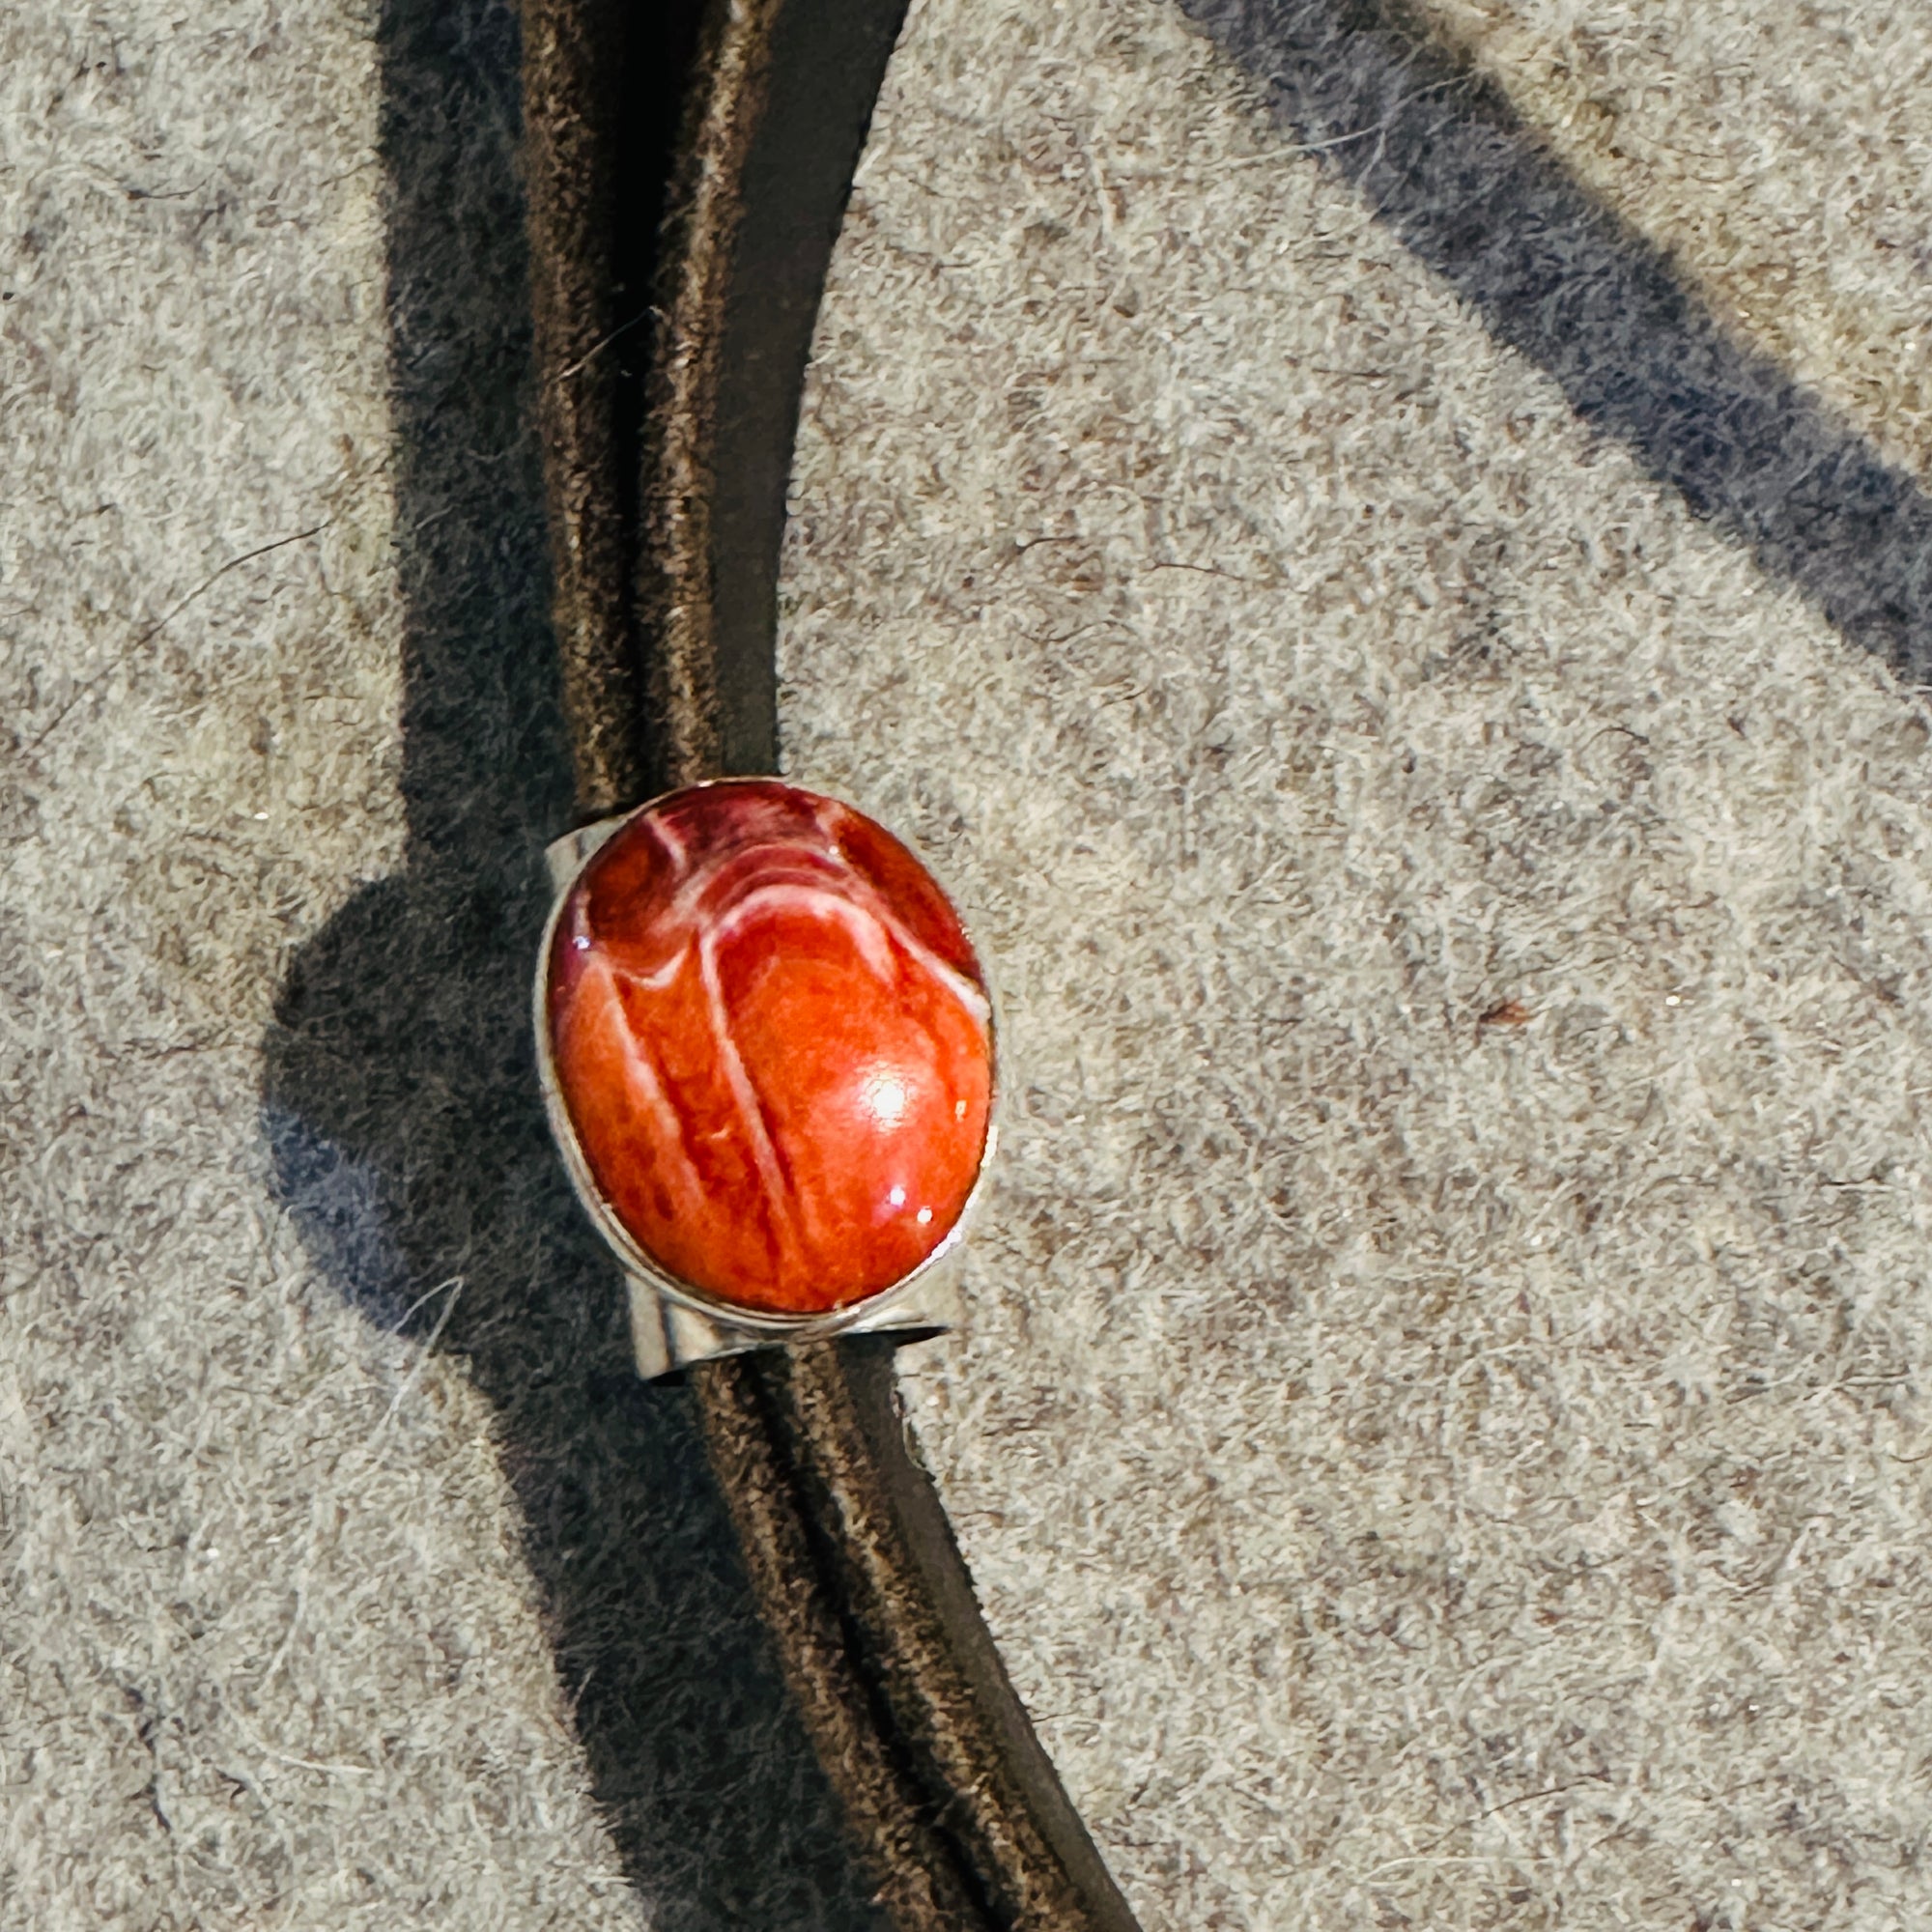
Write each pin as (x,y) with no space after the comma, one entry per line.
(773,1043)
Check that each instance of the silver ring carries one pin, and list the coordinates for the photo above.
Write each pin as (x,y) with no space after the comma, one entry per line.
(674,1321)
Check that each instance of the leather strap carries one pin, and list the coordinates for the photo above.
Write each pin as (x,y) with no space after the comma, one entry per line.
(666,526)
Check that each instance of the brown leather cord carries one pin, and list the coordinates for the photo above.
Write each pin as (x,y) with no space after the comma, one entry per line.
(931,1665)
(956,1806)
(771,136)
(921,1883)
(671,677)
(572,68)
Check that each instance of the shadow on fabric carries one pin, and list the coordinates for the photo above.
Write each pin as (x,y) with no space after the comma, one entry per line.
(1444,160)
(401,1105)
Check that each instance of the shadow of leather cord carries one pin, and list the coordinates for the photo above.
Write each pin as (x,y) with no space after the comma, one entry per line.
(1448,166)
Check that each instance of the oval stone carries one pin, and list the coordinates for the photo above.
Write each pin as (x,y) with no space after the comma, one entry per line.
(772,1042)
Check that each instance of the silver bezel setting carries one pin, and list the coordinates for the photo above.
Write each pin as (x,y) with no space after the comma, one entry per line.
(674,1321)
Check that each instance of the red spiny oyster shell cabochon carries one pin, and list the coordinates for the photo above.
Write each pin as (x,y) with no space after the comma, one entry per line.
(774,1045)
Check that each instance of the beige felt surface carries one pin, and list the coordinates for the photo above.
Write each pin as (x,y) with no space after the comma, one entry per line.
(1422,1470)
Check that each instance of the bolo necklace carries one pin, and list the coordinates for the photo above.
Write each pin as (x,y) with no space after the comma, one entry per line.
(766,1041)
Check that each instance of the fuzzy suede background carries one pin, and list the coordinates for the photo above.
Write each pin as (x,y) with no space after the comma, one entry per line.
(1440,1432)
